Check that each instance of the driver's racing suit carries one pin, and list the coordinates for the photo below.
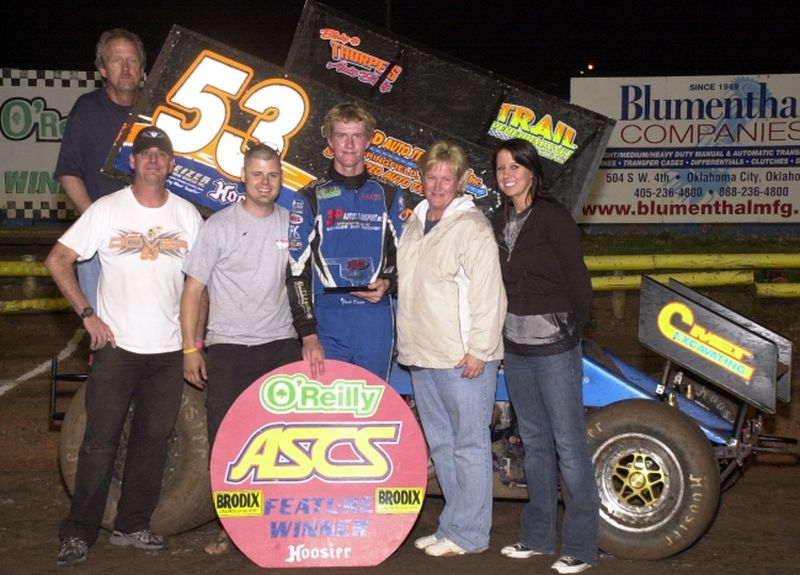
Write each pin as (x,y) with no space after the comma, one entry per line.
(343,231)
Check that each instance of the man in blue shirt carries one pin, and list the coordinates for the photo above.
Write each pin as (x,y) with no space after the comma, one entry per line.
(93,125)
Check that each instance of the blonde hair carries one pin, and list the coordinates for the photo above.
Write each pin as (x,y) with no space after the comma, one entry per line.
(348,112)
(118,34)
(449,153)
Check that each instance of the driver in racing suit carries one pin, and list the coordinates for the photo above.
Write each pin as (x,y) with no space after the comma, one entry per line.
(343,232)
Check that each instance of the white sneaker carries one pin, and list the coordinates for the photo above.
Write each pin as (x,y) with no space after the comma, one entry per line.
(426,541)
(144,539)
(444,548)
(519,551)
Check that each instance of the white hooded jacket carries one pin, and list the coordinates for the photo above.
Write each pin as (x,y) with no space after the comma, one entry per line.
(451,299)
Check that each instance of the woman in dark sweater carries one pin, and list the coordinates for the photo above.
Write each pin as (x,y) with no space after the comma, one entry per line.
(549,298)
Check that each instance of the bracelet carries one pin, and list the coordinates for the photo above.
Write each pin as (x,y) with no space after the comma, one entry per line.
(199,344)
(190,350)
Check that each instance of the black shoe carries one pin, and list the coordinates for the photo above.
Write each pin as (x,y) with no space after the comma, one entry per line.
(569,564)
(73,550)
(519,551)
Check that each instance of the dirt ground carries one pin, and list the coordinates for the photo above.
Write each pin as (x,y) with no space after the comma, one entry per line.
(756,530)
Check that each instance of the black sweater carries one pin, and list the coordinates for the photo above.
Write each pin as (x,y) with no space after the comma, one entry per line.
(545,272)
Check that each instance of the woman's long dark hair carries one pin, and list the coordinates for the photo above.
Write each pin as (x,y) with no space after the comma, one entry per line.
(524,153)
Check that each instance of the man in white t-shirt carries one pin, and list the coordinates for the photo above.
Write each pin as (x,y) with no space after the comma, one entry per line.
(240,256)
(141,234)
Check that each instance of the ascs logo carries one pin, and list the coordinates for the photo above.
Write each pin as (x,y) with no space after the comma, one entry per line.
(331,452)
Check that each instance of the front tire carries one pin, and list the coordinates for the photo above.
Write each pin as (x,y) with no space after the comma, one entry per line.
(657,478)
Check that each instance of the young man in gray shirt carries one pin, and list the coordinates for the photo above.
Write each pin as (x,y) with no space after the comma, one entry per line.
(241,257)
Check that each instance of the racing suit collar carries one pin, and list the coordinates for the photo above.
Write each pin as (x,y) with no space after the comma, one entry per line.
(349,182)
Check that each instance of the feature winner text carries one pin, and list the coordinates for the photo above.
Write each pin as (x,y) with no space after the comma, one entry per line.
(337,525)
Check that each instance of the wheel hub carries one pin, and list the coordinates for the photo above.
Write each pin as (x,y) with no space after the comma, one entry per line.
(638,479)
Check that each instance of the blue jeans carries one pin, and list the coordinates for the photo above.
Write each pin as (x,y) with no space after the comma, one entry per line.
(547,396)
(456,413)
(117,377)
(89,279)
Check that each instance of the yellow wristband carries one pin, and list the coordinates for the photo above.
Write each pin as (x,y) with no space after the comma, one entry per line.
(190,350)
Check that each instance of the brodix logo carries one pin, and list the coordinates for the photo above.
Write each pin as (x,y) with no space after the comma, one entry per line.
(239,503)
(703,342)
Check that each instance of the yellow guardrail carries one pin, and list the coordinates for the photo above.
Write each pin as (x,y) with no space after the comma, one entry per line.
(29,271)
(706,279)
(718,270)
(728,269)
(34,304)
(23,269)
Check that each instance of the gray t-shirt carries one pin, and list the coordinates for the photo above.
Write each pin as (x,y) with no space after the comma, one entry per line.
(242,260)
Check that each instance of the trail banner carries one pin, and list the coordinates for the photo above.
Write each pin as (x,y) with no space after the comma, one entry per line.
(214,100)
(471,104)
(710,149)
(326,471)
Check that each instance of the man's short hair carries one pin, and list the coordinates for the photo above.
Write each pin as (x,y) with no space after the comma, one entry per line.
(348,112)
(261,151)
(118,34)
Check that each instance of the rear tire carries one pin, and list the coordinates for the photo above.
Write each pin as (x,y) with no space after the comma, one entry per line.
(185,491)
(657,478)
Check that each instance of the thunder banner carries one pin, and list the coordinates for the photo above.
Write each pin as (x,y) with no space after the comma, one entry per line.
(471,104)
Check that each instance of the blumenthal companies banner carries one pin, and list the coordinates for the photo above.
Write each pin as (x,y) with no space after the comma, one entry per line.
(453,97)
(33,112)
(712,149)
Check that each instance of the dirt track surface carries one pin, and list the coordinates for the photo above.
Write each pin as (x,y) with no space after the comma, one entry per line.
(757,528)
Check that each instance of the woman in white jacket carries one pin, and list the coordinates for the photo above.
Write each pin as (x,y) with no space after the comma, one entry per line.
(451,307)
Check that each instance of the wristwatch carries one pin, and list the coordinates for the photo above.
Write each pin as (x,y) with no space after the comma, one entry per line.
(87,312)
